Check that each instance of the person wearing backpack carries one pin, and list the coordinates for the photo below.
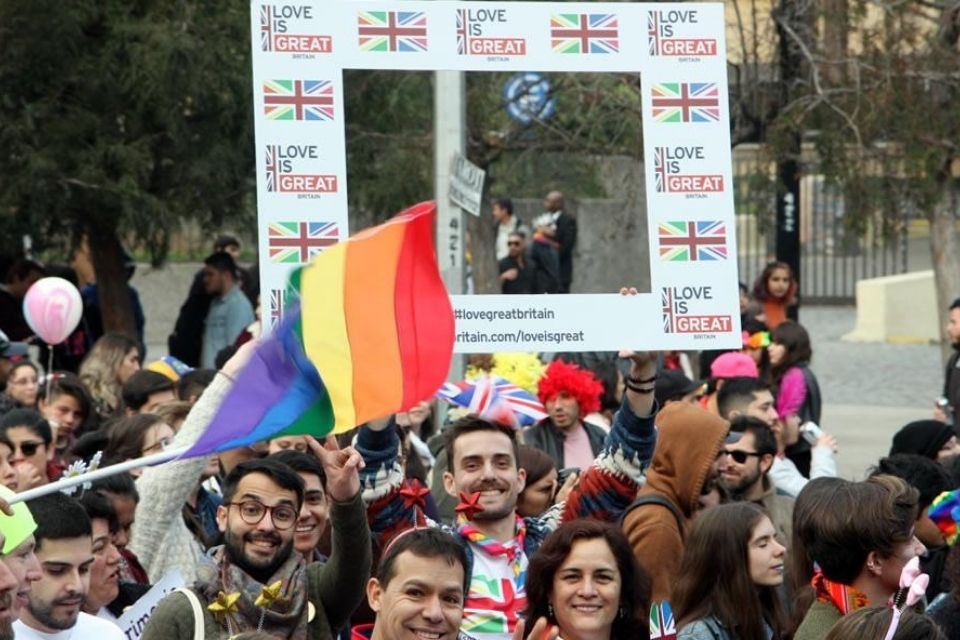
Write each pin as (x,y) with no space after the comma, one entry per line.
(685,466)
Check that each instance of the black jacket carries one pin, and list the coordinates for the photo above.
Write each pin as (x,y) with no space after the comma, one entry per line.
(548,438)
(566,237)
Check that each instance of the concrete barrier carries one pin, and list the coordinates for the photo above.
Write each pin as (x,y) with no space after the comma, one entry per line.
(897,309)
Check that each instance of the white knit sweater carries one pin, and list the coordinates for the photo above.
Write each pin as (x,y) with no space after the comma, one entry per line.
(160,538)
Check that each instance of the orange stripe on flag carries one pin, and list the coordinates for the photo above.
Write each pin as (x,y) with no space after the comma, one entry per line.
(371,272)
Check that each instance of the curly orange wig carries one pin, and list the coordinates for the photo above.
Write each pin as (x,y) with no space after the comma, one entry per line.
(577,382)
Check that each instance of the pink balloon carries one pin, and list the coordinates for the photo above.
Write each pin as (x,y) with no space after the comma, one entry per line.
(52,308)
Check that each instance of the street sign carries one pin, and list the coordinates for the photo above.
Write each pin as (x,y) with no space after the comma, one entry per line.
(527,98)
(466,184)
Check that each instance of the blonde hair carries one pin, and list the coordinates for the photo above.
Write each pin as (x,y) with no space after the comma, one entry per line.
(98,371)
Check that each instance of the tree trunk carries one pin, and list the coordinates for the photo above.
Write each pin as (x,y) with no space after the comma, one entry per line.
(946,262)
(116,308)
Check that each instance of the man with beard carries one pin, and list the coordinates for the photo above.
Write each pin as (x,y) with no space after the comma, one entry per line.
(753,398)
(482,471)
(750,450)
(951,382)
(18,561)
(255,581)
(569,393)
(64,543)
(686,465)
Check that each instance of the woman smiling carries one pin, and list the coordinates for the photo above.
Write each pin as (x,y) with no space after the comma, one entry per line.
(586,583)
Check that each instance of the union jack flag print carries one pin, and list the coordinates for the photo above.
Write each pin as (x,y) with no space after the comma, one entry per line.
(494,398)
(662,624)
(700,241)
(653,32)
(584,33)
(278,302)
(686,102)
(392,31)
(462,27)
(660,168)
(298,99)
(298,242)
(666,300)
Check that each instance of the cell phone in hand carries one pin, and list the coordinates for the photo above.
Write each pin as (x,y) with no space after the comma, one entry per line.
(811,432)
(565,473)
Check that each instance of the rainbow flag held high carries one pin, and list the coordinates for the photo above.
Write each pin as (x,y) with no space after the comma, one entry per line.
(368,332)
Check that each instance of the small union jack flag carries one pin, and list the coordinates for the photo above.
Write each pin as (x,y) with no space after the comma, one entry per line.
(666,300)
(462,27)
(662,624)
(660,168)
(653,31)
(278,299)
(392,31)
(298,99)
(494,398)
(266,28)
(699,241)
(298,242)
(584,33)
(686,102)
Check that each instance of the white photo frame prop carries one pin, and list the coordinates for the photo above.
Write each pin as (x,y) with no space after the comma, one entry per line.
(301,49)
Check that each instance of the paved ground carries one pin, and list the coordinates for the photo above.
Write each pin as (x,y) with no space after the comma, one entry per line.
(870,390)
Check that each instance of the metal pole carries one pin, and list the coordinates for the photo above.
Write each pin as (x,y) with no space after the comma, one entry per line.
(449,129)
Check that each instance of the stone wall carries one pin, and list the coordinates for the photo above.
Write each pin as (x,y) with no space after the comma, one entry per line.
(612,243)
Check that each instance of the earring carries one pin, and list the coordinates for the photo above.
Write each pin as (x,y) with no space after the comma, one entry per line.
(623,612)
(550,611)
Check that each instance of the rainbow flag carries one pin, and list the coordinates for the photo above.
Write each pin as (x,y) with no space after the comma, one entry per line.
(369,332)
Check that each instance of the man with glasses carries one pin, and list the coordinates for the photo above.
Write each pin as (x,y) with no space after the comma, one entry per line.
(517,274)
(31,439)
(255,581)
(750,450)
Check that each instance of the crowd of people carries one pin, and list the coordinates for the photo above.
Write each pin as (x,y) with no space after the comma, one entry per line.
(663,495)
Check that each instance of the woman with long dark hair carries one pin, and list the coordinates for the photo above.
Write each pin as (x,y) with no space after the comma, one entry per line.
(727,583)
(797,390)
(586,583)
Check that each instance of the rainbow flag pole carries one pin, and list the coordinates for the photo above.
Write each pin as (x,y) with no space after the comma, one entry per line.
(121,467)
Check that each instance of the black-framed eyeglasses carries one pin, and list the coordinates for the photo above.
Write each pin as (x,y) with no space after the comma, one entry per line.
(27,448)
(741,456)
(283,516)
(513,244)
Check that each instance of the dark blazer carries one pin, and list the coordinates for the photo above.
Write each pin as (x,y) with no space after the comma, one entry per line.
(566,237)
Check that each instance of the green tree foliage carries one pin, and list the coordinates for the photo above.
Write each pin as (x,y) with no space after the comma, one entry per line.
(119,119)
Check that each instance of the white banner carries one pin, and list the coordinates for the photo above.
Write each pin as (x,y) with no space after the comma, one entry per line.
(300,51)
(134,619)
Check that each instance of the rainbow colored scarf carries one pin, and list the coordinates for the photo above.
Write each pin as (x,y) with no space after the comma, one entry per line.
(493,548)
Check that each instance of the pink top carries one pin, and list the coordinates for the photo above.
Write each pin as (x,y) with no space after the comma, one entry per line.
(576,448)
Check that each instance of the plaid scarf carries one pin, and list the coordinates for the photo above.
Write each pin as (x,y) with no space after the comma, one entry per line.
(513,552)
(286,618)
(843,597)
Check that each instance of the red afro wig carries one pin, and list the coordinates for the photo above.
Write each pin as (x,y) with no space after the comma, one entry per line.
(577,382)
